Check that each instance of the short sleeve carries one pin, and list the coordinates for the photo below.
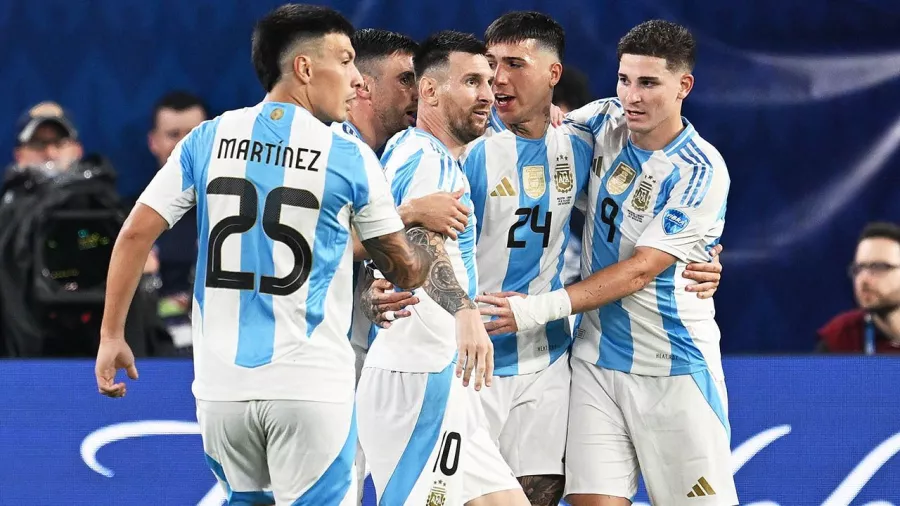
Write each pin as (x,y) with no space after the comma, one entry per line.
(692,220)
(595,114)
(171,192)
(375,214)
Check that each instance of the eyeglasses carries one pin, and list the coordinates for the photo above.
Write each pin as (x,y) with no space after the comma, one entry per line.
(876,268)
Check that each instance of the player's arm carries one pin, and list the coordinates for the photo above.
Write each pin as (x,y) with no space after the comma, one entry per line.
(168,196)
(688,217)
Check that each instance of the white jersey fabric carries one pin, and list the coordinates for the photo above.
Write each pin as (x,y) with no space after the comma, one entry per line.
(523,191)
(673,200)
(417,164)
(276,192)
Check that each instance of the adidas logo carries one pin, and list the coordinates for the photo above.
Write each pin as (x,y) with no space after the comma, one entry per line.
(701,489)
(504,189)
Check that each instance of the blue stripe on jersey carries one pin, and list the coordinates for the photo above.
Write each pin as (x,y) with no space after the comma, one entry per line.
(476,172)
(720,217)
(706,185)
(707,385)
(524,263)
(616,345)
(201,145)
(665,190)
(238,498)
(686,357)
(466,241)
(332,486)
(403,177)
(584,156)
(388,152)
(256,328)
(341,186)
(422,441)
(443,173)
(495,122)
(690,186)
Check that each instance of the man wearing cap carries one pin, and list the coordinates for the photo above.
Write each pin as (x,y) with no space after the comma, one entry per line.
(45,137)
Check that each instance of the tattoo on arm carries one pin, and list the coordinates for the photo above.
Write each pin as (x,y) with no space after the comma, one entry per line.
(440,284)
(365,297)
(400,261)
(543,490)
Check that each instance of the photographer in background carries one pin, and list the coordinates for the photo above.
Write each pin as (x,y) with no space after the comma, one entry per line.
(59,217)
(875,326)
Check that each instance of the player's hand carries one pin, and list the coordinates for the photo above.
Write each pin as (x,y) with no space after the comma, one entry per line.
(114,354)
(441,212)
(382,306)
(502,318)
(706,274)
(556,115)
(476,352)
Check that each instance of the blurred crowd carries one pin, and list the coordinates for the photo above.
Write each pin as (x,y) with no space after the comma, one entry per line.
(60,213)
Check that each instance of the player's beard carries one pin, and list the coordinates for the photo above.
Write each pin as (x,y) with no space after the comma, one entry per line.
(392,119)
(466,127)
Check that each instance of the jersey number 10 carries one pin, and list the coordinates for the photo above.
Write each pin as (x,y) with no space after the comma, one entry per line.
(532,215)
(216,277)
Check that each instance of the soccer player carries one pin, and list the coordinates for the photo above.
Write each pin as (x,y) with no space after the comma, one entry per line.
(424,434)
(525,177)
(276,192)
(648,394)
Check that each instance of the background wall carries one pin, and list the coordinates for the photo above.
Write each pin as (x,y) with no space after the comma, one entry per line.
(800,97)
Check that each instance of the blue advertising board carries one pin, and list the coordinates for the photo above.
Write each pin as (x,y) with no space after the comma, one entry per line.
(805,431)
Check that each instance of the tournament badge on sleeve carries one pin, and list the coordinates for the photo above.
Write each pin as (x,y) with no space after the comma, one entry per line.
(533,181)
(620,179)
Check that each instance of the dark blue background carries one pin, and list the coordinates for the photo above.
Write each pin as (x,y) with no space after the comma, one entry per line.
(838,410)
(811,142)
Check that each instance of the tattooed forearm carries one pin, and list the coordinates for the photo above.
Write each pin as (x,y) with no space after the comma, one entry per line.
(440,284)
(543,490)
(365,296)
(400,261)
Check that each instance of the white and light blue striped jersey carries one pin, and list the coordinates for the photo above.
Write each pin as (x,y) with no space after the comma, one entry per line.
(672,200)
(523,191)
(418,164)
(276,192)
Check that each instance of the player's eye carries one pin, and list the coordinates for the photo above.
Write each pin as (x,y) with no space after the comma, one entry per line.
(648,84)
(472,81)
(515,65)
(623,80)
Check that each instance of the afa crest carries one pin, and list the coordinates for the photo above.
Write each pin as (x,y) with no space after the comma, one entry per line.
(640,201)
(620,179)
(277,113)
(533,181)
(438,495)
(562,175)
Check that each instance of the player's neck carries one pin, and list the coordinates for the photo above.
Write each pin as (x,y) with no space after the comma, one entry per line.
(286,95)
(659,137)
(430,122)
(532,128)
(365,125)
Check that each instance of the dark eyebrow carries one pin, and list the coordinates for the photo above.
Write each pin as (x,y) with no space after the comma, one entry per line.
(513,59)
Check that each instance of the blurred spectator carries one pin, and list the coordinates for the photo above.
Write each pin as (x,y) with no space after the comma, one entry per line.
(572,90)
(875,326)
(174,116)
(59,216)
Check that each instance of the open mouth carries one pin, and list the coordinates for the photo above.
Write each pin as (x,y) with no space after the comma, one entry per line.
(410,116)
(503,100)
(482,114)
(631,114)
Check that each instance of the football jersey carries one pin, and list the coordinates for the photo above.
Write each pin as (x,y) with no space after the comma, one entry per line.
(673,200)
(276,191)
(523,191)
(417,164)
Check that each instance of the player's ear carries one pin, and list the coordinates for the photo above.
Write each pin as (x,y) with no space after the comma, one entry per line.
(302,68)
(556,70)
(428,91)
(686,85)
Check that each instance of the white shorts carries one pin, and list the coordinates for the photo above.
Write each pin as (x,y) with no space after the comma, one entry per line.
(672,429)
(527,417)
(281,452)
(426,439)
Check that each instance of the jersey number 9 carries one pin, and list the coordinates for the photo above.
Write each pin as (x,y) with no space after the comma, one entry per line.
(216,277)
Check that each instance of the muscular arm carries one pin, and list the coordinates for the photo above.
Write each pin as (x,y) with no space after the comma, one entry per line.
(401,261)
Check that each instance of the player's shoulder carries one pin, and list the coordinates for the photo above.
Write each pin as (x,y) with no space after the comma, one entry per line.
(690,151)
(597,114)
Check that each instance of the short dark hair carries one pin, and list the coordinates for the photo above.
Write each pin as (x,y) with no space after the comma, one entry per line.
(572,89)
(437,48)
(661,39)
(177,101)
(278,31)
(519,26)
(881,230)
(371,44)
